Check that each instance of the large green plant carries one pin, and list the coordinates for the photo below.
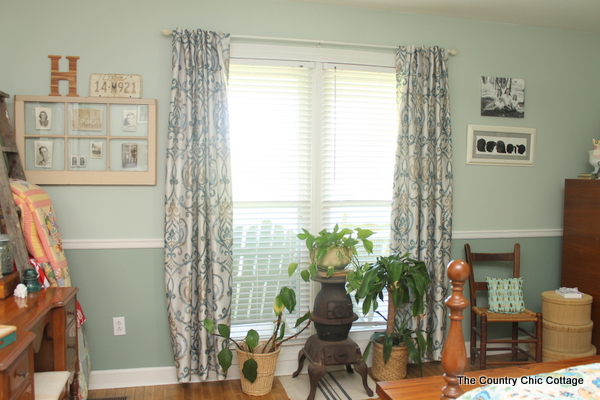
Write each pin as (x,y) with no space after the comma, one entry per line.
(285,300)
(336,239)
(403,279)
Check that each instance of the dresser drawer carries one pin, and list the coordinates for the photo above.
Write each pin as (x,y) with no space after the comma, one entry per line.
(27,393)
(19,374)
(71,311)
(71,344)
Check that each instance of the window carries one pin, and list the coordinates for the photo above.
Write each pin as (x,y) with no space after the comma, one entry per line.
(313,145)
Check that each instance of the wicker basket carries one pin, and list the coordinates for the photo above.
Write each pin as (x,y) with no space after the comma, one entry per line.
(567,338)
(560,310)
(267,363)
(549,355)
(394,369)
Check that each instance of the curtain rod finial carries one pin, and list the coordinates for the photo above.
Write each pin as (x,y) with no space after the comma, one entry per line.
(166,32)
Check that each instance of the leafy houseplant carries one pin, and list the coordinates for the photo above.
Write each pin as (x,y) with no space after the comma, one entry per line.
(286,299)
(333,250)
(402,278)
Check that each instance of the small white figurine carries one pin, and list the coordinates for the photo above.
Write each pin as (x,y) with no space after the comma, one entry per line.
(21,291)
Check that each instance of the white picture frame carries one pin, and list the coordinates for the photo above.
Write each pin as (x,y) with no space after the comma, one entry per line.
(500,145)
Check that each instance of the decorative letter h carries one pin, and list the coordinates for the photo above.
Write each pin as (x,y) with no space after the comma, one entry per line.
(70,76)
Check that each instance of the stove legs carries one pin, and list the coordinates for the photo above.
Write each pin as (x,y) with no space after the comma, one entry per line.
(361,368)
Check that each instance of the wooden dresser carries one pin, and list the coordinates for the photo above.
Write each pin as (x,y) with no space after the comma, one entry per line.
(581,243)
(46,324)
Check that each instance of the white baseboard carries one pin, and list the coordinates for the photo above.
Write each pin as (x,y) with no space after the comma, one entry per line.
(287,364)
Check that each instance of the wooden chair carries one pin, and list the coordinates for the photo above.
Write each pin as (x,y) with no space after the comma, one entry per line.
(485,316)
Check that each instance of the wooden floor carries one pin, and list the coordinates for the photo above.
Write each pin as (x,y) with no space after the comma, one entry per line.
(230,389)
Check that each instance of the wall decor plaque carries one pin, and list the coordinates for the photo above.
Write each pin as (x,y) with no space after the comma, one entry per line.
(116,85)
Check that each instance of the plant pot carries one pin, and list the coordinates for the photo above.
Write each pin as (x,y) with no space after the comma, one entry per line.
(394,369)
(339,258)
(267,363)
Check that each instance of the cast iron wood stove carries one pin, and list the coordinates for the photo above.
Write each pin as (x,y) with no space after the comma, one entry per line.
(333,316)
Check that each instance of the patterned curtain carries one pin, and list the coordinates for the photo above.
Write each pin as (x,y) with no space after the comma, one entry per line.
(422,196)
(198,203)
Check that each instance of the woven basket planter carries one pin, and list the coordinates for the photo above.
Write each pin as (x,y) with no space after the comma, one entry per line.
(267,363)
(394,369)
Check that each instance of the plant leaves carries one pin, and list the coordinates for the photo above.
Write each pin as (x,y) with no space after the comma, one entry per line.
(278,305)
(288,296)
(281,331)
(209,325)
(250,369)
(312,268)
(366,305)
(252,339)
(224,330)
(330,271)
(302,319)
(225,357)
(388,343)
(305,274)
(292,268)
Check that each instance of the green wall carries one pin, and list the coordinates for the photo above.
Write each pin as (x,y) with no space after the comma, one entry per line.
(559,68)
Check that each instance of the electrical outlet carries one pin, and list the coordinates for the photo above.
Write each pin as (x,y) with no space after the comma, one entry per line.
(119,326)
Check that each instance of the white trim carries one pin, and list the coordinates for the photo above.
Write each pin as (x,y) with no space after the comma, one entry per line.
(527,233)
(109,244)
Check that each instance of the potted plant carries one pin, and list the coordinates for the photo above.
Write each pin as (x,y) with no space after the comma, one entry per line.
(403,279)
(257,360)
(332,251)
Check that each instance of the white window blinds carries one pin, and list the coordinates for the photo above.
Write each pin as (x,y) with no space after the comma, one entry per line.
(271,125)
(312,146)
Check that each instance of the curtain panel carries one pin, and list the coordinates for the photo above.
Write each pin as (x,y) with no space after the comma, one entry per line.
(198,200)
(422,195)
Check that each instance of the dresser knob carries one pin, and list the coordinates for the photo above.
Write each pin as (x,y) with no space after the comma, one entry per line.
(22,374)
(71,346)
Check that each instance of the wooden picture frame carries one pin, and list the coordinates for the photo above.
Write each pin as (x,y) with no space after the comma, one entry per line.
(87,138)
(500,145)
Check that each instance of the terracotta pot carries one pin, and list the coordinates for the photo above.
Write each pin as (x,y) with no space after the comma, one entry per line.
(267,363)
(339,257)
(394,369)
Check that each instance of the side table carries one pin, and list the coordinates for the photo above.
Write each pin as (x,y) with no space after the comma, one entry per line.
(322,354)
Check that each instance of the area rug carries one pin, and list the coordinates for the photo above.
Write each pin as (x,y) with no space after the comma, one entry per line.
(335,385)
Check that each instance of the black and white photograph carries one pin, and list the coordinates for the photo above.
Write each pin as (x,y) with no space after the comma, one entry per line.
(43,118)
(82,161)
(43,153)
(87,119)
(129,120)
(142,114)
(500,145)
(74,162)
(129,155)
(502,97)
(96,149)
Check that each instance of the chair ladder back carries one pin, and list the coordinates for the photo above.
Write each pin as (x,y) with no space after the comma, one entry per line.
(475,286)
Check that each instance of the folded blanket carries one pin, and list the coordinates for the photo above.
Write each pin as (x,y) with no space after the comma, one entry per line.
(40,228)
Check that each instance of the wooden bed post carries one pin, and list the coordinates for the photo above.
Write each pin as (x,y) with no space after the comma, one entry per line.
(454,356)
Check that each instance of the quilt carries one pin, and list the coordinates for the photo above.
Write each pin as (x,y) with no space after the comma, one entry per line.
(575,383)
